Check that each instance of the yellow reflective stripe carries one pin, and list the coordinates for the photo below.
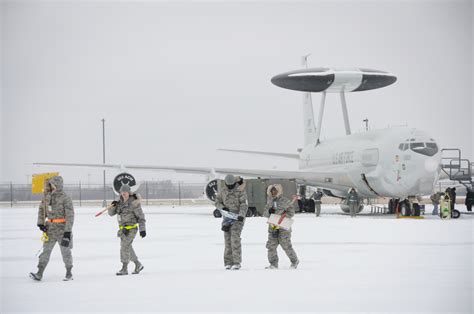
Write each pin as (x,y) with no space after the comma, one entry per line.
(44,237)
(129,227)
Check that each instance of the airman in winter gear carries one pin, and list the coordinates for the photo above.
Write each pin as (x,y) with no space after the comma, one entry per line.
(317,201)
(131,220)
(279,204)
(233,198)
(435,198)
(469,201)
(55,218)
(353,201)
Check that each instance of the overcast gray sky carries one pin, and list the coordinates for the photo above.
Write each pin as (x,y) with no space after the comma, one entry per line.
(176,80)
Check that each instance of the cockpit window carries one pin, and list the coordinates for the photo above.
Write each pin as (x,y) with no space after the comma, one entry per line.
(416,146)
(427,149)
(403,146)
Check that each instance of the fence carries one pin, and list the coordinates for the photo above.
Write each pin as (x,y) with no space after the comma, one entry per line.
(152,192)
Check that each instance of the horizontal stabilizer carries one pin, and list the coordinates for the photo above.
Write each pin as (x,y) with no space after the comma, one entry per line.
(283,155)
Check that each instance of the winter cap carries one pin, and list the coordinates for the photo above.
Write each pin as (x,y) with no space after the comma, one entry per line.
(277,187)
(229,179)
(124,188)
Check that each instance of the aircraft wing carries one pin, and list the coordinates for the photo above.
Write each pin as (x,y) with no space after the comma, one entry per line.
(195,170)
(323,179)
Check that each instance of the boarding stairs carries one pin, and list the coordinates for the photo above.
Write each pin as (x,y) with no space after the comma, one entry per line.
(457,168)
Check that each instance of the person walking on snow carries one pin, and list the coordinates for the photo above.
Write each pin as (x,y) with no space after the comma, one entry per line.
(131,219)
(55,219)
(232,198)
(279,204)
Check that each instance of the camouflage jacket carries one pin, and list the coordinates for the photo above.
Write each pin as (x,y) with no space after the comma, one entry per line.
(235,200)
(54,205)
(129,212)
(435,198)
(281,204)
(353,197)
(317,196)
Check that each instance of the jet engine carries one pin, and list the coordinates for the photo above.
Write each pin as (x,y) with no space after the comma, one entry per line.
(211,190)
(345,208)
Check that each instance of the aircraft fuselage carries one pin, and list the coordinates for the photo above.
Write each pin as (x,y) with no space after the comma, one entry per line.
(395,163)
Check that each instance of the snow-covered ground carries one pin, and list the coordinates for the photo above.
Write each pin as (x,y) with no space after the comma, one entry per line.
(362,264)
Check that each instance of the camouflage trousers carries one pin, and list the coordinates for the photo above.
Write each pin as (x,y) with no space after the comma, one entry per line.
(127,253)
(317,208)
(233,249)
(353,206)
(283,238)
(55,235)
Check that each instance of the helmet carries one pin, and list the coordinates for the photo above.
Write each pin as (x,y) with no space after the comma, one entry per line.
(229,179)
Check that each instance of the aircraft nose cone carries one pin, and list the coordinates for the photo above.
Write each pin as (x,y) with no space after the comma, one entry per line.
(431,165)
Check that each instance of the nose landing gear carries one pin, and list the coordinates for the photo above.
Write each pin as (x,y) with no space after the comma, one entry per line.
(406,207)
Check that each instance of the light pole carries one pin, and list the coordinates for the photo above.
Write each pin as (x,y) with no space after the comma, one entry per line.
(104,203)
(366,121)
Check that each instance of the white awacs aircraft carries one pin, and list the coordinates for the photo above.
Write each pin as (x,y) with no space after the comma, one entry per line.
(394,163)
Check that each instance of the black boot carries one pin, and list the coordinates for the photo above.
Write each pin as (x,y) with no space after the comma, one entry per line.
(38,275)
(124,270)
(138,268)
(68,274)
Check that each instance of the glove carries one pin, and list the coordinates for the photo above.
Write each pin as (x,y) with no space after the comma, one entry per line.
(114,203)
(135,196)
(143,233)
(271,210)
(125,231)
(43,228)
(66,239)
(240,218)
(226,209)
(226,228)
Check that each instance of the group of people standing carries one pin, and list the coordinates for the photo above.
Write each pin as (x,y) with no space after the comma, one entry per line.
(232,198)
(450,194)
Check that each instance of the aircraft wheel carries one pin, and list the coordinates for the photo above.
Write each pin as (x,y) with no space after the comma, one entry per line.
(405,209)
(217,213)
(455,214)
(416,209)
(392,205)
(300,206)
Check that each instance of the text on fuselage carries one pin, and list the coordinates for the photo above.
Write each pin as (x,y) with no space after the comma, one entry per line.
(343,158)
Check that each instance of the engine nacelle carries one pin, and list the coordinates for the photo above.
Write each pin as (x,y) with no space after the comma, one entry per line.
(345,208)
(124,178)
(211,190)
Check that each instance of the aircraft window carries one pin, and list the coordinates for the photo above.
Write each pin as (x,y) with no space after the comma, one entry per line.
(400,147)
(405,146)
(430,149)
